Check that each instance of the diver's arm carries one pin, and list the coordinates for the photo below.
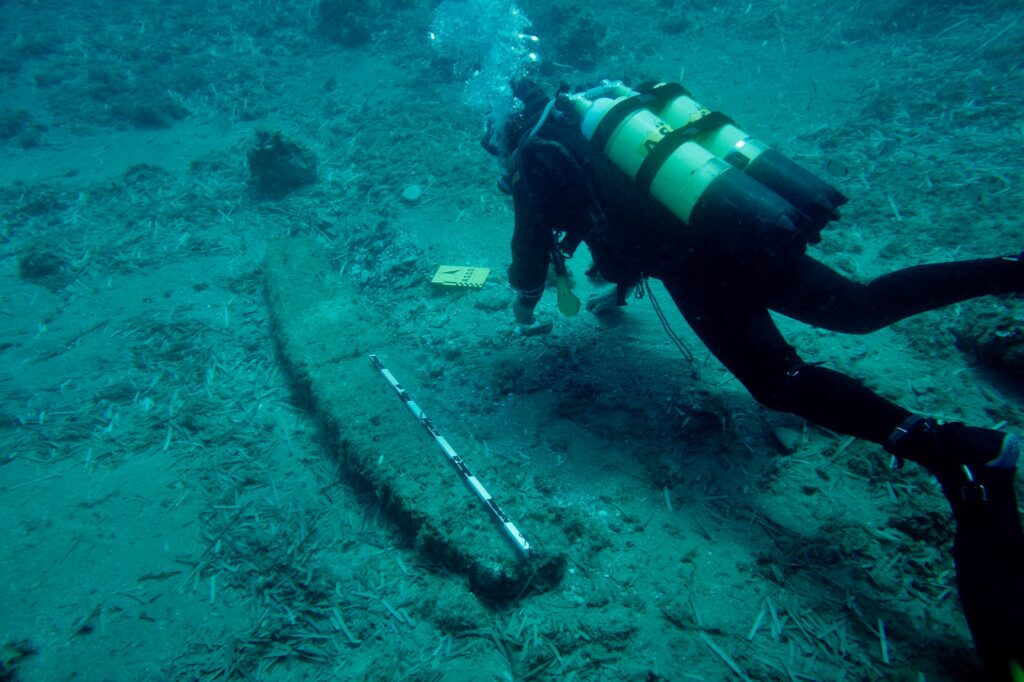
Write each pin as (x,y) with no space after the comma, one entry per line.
(531,252)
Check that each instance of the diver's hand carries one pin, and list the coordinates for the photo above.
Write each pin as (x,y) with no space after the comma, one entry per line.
(527,323)
(604,304)
(535,328)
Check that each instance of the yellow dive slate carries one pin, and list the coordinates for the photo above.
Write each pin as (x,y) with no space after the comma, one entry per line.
(461,276)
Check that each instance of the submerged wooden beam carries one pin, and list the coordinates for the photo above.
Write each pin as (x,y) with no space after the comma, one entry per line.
(325,336)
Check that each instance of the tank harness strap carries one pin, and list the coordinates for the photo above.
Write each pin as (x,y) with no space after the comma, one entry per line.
(616,115)
(663,93)
(668,145)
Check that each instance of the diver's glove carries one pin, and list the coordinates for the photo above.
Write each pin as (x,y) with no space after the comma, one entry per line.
(527,323)
(611,301)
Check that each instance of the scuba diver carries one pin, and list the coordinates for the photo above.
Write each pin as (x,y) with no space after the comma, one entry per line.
(658,186)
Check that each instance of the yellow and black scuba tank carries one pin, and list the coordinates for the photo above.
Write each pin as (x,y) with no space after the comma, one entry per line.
(717,133)
(698,164)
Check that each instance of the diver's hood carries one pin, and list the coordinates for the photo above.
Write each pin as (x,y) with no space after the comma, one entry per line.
(502,137)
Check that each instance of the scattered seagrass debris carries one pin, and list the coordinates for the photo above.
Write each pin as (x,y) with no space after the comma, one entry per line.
(14,655)
(991,331)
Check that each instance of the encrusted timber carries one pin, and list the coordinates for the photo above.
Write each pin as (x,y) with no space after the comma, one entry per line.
(324,336)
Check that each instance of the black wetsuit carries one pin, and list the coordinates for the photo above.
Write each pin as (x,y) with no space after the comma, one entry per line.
(725,281)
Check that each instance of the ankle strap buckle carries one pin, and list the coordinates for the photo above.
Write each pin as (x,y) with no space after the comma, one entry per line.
(972,491)
(901,432)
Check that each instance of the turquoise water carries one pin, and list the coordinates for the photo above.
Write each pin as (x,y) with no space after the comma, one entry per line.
(212,213)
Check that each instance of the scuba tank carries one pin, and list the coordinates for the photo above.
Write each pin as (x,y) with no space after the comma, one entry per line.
(716,132)
(705,170)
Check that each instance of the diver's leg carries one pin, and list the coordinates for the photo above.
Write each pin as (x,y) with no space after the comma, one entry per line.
(976,470)
(811,292)
(975,466)
(742,335)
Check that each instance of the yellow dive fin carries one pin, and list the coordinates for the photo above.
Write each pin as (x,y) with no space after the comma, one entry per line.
(568,303)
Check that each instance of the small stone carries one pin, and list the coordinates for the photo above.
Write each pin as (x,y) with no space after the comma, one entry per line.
(412,194)
(788,439)
(435,369)
(492,299)
(407,264)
